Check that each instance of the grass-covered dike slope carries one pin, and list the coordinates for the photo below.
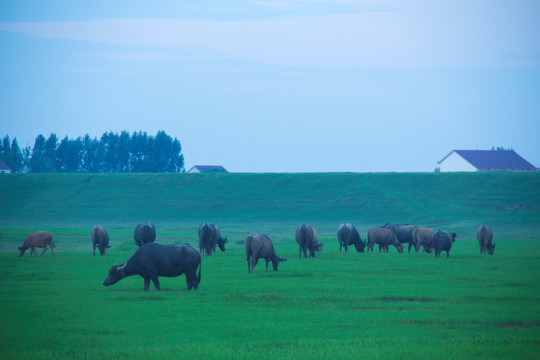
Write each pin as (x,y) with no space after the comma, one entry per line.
(335,306)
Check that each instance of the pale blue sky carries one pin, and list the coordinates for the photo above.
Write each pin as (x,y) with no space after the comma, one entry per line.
(279,86)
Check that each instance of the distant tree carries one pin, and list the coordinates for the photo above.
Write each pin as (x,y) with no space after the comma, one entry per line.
(69,155)
(160,152)
(27,155)
(5,150)
(177,163)
(49,154)
(123,152)
(11,154)
(89,160)
(140,160)
(16,158)
(113,152)
(500,148)
(37,160)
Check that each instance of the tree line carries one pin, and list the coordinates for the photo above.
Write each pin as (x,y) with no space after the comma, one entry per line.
(112,153)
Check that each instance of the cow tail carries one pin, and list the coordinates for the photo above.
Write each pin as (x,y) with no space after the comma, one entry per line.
(199,274)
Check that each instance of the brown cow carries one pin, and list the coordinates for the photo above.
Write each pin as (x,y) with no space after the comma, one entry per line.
(100,239)
(423,236)
(38,239)
(307,239)
(383,237)
(485,239)
(259,246)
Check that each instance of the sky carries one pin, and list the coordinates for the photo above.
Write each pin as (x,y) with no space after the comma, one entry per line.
(278,86)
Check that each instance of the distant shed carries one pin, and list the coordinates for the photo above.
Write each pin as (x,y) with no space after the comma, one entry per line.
(4,169)
(207,169)
(484,160)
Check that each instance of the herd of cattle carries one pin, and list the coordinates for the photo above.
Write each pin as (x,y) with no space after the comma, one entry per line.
(153,259)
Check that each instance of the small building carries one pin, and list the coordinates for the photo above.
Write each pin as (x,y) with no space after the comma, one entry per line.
(207,169)
(484,160)
(4,169)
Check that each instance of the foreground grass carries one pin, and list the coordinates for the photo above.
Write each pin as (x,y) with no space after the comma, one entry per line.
(337,305)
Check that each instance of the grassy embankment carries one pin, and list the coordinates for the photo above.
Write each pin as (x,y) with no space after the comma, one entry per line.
(334,306)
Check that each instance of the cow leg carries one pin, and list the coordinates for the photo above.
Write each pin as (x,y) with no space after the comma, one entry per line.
(146,284)
(447,253)
(266,264)
(155,280)
(191,280)
(299,252)
(44,249)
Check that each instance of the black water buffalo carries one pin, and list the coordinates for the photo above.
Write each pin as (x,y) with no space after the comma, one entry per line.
(307,239)
(383,237)
(153,260)
(259,246)
(100,239)
(144,233)
(442,241)
(38,239)
(485,239)
(403,233)
(209,237)
(348,235)
(423,236)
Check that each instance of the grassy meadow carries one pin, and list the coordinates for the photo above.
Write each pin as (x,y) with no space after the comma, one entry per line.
(337,305)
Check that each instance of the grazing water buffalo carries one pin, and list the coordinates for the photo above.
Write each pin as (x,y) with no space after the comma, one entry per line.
(153,260)
(423,236)
(38,239)
(307,239)
(442,241)
(348,235)
(403,233)
(485,239)
(259,246)
(209,237)
(144,233)
(100,239)
(383,237)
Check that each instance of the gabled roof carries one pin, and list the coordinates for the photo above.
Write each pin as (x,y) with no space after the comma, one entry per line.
(3,166)
(494,159)
(208,168)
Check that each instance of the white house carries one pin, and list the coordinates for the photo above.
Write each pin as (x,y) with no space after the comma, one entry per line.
(207,168)
(484,160)
(4,169)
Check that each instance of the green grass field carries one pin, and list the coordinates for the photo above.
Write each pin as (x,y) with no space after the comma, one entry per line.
(337,305)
